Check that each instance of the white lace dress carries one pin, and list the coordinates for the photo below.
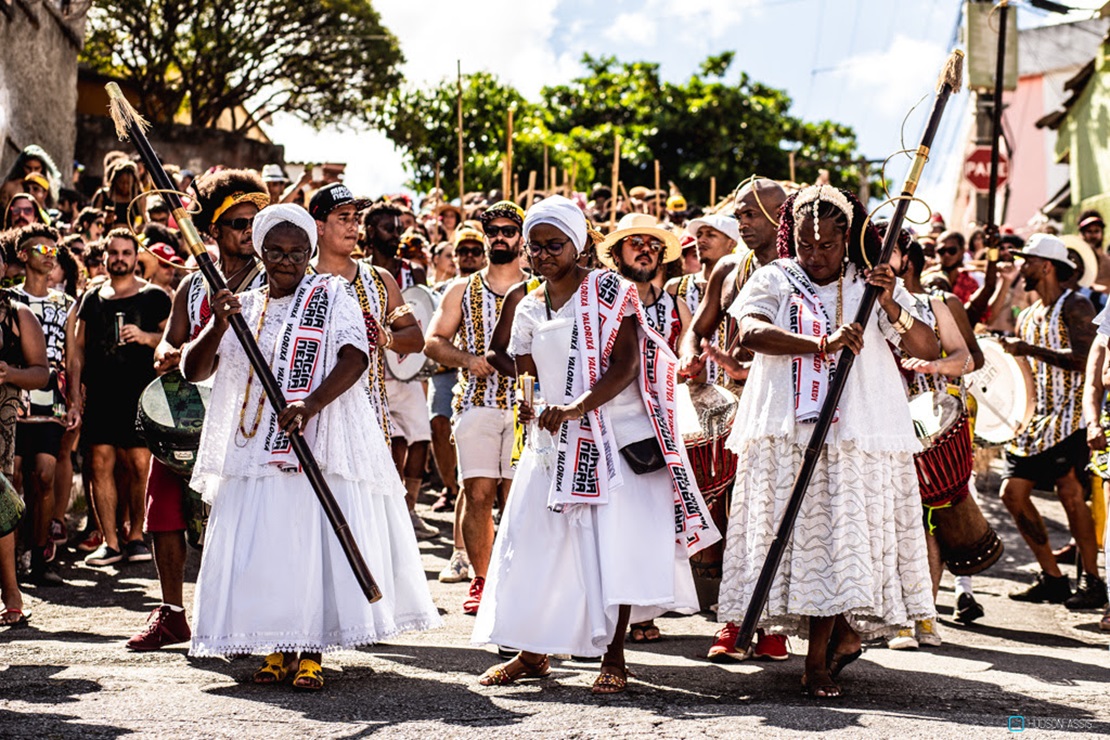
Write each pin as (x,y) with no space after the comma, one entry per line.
(556,580)
(273,576)
(858,547)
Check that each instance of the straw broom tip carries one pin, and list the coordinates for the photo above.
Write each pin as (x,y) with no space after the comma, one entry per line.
(123,115)
(952,74)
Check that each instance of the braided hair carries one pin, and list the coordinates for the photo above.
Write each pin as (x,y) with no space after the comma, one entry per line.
(828,211)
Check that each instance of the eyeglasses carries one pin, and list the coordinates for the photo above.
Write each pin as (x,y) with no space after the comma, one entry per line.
(45,250)
(22,211)
(276,256)
(948,250)
(509,231)
(469,251)
(99,224)
(639,242)
(237,224)
(552,248)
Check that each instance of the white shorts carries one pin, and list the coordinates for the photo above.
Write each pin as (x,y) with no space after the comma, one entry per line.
(408,408)
(484,440)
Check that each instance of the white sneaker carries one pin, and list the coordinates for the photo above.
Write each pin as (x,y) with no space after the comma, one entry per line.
(423,530)
(904,640)
(926,633)
(457,569)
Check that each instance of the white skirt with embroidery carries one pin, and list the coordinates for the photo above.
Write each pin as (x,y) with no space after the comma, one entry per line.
(858,547)
(556,580)
(273,576)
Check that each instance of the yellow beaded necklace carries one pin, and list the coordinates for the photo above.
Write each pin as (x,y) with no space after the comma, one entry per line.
(249,434)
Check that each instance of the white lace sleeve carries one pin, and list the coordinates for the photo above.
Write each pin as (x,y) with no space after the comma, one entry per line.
(761,295)
(529,314)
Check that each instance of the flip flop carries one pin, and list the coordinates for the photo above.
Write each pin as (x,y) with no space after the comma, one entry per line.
(273,670)
(826,686)
(310,676)
(637,633)
(21,621)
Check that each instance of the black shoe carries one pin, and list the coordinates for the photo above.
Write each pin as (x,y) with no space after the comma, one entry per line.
(43,572)
(1091,594)
(967,608)
(1054,590)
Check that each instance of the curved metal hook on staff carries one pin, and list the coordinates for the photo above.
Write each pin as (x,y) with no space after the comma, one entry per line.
(141,238)
(888,201)
(755,191)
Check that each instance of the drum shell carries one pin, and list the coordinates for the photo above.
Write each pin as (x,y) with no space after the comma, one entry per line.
(1004,391)
(415,367)
(968,544)
(174,445)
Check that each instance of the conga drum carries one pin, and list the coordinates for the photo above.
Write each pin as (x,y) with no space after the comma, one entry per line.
(967,542)
(416,366)
(705,416)
(170,418)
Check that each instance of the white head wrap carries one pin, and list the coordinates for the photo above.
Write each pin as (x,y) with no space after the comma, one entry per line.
(561,213)
(271,216)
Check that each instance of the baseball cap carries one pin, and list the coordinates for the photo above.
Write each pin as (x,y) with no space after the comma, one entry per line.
(1046,246)
(467,234)
(727,225)
(330,197)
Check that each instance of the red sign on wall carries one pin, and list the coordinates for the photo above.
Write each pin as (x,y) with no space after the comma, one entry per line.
(977,168)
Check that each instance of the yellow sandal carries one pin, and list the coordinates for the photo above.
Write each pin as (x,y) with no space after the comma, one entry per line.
(310,676)
(273,670)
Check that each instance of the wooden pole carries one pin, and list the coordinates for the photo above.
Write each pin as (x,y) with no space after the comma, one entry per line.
(554,180)
(712,191)
(573,176)
(531,192)
(546,184)
(566,183)
(461,191)
(509,144)
(516,187)
(793,177)
(437,177)
(655,196)
(616,180)
(506,183)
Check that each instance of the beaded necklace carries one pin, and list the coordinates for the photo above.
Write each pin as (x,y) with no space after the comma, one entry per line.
(249,434)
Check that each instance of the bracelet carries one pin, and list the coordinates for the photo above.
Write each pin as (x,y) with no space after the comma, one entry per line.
(581,408)
(403,310)
(385,337)
(822,344)
(904,322)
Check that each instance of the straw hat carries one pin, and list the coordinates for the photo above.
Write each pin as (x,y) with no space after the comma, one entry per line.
(639,223)
(1088,262)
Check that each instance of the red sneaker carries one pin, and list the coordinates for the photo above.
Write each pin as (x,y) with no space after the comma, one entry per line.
(164,627)
(91,543)
(771,647)
(474,599)
(724,648)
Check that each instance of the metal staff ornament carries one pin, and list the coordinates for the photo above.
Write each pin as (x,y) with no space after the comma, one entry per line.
(950,80)
(130,125)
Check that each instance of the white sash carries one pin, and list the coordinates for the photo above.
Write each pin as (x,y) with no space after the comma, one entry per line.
(809,318)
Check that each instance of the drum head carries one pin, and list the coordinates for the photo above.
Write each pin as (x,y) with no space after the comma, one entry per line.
(172,404)
(1003,390)
(712,407)
(407,367)
(934,414)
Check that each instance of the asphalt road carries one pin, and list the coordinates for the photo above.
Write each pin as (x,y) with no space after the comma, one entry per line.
(67,674)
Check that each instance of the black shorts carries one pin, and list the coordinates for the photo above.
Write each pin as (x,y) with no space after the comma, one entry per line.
(111,422)
(38,437)
(1045,468)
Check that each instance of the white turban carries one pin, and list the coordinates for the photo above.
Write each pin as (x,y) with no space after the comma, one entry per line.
(271,216)
(561,213)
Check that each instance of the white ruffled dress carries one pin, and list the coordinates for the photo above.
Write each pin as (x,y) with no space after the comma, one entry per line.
(556,581)
(858,547)
(273,576)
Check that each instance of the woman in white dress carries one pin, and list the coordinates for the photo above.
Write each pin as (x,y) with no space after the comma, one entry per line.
(274,578)
(856,563)
(567,572)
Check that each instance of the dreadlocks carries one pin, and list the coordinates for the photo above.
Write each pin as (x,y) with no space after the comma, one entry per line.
(213,189)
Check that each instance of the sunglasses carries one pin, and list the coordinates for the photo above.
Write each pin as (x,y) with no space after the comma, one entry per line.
(45,250)
(22,211)
(276,256)
(639,242)
(509,231)
(469,251)
(552,248)
(237,224)
(948,250)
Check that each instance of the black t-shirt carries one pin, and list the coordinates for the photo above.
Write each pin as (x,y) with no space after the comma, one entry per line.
(120,369)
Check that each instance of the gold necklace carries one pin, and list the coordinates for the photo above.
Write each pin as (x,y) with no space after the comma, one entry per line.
(250,382)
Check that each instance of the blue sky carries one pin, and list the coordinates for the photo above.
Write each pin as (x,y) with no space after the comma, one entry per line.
(864,63)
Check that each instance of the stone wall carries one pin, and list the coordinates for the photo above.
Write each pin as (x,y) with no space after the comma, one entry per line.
(189,147)
(38,80)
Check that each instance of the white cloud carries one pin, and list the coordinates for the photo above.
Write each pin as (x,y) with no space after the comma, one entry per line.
(634,29)
(893,80)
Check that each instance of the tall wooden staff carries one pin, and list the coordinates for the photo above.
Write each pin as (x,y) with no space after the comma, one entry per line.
(996,111)
(949,82)
(655,196)
(509,145)
(129,125)
(712,192)
(459,69)
(616,180)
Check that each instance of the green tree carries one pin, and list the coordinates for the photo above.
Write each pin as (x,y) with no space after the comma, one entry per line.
(326,62)
(424,123)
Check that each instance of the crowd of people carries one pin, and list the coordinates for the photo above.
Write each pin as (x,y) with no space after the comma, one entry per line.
(614,419)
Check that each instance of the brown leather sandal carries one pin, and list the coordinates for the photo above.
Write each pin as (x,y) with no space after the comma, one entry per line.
(610,682)
(500,675)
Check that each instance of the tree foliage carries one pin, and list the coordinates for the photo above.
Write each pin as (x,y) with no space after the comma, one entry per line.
(700,128)
(326,61)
